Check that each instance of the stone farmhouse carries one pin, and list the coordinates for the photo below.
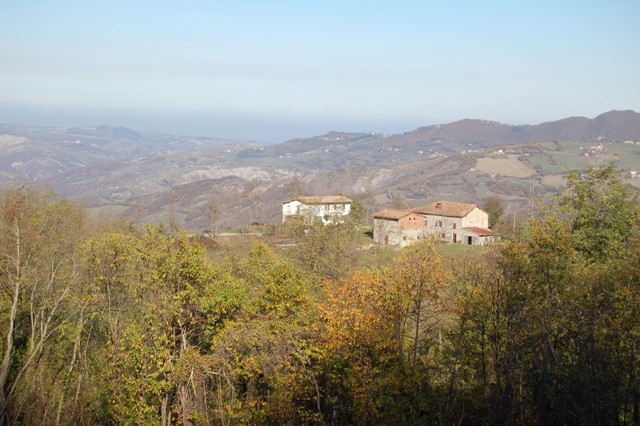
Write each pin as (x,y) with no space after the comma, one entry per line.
(324,208)
(398,227)
(449,221)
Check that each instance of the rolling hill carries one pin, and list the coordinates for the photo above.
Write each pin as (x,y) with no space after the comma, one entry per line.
(150,176)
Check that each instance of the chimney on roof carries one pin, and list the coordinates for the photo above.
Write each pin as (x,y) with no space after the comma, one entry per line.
(438,205)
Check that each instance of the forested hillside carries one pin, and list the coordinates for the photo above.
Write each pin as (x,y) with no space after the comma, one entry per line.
(109,323)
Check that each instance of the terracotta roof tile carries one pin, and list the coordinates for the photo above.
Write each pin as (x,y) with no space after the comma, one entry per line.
(446,208)
(391,214)
(480,231)
(324,199)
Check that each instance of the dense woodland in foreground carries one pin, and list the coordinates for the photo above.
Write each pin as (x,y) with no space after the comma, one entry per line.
(112,324)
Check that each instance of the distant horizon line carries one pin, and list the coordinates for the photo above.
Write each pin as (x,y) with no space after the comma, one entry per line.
(142,130)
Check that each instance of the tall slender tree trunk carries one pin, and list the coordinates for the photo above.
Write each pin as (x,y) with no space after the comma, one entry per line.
(67,376)
(416,337)
(165,418)
(6,359)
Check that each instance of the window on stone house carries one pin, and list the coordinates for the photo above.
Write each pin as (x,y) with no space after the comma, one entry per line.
(454,226)
(438,224)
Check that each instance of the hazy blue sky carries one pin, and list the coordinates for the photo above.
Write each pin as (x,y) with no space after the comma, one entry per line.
(272,70)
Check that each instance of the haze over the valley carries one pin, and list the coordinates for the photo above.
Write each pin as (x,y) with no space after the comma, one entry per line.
(276,70)
(149,177)
(393,102)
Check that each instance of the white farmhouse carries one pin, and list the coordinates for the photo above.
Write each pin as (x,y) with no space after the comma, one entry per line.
(324,208)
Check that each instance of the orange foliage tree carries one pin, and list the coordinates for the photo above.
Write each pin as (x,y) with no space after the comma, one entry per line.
(378,335)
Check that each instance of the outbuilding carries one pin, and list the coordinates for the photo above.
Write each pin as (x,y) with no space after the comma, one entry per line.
(398,227)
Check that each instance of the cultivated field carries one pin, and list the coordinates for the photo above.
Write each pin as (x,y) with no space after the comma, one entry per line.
(507,166)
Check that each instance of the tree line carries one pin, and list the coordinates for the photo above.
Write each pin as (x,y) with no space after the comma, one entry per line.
(115,324)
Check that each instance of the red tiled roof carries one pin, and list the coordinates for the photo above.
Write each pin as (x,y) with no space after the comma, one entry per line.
(446,208)
(322,199)
(391,214)
(480,231)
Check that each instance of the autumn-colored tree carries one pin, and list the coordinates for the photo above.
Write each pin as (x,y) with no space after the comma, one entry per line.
(155,304)
(137,326)
(360,346)
(379,339)
(418,276)
(545,327)
(265,356)
(512,317)
(39,235)
(326,250)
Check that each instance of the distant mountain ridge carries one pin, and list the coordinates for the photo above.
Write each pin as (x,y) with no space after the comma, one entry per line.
(145,176)
(38,152)
(613,126)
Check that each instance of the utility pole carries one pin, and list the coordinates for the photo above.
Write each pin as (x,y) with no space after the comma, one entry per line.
(531,195)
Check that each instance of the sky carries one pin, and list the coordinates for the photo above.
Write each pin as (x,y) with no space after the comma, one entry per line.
(275,70)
